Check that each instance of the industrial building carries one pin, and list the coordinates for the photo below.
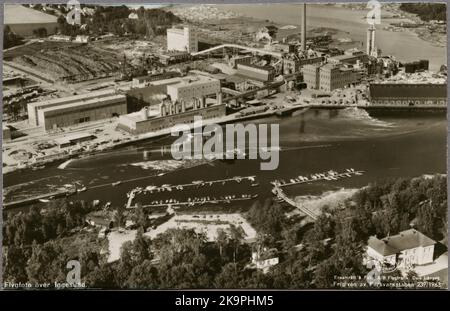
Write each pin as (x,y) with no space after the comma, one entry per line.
(329,77)
(293,63)
(417,66)
(259,73)
(33,108)
(72,110)
(236,60)
(182,39)
(408,95)
(311,75)
(189,97)
(151,119)
(173,57)
(350,57)
(193,87)
(336,77)
(143,81)
(82,111)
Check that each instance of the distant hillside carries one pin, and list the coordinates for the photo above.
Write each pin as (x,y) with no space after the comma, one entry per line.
(426,11)
(115,19)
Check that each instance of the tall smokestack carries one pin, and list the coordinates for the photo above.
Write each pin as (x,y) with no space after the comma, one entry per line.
(303,16)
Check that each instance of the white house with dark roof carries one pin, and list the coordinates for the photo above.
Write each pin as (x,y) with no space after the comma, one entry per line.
(409,247)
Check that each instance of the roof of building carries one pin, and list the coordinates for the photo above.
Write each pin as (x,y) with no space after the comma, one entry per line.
(235,79)
(267,67)
(394,244)
(420,90)
(113,98)
(381,247)
(158,76)
(70,99)
(192,80)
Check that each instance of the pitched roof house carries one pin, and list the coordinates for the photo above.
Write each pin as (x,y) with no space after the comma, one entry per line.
(408,248)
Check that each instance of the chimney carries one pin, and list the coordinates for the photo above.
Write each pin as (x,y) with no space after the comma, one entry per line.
(303,17)
(144,113)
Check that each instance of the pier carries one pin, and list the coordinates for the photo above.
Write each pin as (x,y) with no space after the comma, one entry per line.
(180,187)
(329,176)
(282,196)
(201,201)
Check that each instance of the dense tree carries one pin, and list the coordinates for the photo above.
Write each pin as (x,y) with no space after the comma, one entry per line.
(426,11)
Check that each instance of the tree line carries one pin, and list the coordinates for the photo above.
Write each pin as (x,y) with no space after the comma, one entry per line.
(312,255)
(114,19)
(426,11)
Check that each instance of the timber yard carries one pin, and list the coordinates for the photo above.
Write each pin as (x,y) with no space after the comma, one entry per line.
(88,116)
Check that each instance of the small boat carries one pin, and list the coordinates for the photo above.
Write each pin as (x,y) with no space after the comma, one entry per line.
(82,189)
(44,200)
(254,184)
(116,183)
(161,174)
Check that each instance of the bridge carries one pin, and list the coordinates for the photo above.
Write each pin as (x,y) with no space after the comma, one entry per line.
(241,47)
(282,196)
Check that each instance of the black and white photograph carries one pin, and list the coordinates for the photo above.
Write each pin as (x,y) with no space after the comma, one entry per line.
(245,146)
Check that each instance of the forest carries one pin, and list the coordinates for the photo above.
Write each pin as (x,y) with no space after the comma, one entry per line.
(114,19)
(426,11)
(38,245)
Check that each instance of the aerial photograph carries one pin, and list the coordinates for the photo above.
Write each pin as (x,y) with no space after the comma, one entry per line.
(224,146)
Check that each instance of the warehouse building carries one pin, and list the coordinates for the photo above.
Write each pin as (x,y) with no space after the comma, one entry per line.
(193,87)
(408,95)
(76,109)
(350,57)
(166,115)
(191,96)
(33,108)
(329,77)
(259,73)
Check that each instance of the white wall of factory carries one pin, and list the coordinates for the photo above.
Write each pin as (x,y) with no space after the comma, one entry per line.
(187,90)
(76,113)
(33,108)
(184,39)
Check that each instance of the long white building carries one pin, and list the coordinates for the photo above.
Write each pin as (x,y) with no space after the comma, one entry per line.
(182,39)
(193,87)
(72,110)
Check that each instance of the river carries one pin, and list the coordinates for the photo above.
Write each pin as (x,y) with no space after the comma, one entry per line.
(389,145)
